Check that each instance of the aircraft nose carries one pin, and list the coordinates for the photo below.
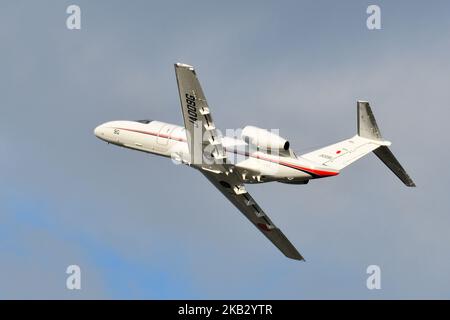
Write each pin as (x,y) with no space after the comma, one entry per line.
(99,132)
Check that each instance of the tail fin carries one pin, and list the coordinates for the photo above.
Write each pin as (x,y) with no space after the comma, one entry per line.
(368,128)
(368,139)
(367,125)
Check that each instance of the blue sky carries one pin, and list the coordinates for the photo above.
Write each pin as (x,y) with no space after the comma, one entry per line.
(140,227)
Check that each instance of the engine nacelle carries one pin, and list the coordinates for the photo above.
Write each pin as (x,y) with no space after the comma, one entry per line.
(264,139)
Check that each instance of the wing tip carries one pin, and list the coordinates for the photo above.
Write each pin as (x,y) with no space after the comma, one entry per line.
(184,65)
(411,184)
(301,259)
(296,256)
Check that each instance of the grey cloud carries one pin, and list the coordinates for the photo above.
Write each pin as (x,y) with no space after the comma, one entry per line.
(272,65)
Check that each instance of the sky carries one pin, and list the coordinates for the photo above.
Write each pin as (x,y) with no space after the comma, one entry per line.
(140,227)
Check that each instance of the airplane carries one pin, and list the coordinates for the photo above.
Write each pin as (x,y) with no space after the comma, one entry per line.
(256,156)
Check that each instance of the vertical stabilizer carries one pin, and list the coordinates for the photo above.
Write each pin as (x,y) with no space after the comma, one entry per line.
(367,125)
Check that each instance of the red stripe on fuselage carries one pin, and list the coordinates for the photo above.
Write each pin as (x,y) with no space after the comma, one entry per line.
(321,173)
(154,134)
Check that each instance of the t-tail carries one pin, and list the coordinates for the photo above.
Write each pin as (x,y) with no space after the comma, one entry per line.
(368,139)
(368,128)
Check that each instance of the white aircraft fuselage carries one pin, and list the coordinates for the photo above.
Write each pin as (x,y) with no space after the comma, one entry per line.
(169,140)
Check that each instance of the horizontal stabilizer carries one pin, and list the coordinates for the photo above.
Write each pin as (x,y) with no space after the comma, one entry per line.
(391,162)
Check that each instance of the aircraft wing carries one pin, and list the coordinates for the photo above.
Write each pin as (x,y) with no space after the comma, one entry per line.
(204,141)
(208,155)
(230,185)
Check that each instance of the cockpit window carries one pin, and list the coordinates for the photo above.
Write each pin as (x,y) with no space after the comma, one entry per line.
(144,121)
